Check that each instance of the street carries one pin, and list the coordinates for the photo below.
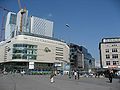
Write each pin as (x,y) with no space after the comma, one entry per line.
(41,82)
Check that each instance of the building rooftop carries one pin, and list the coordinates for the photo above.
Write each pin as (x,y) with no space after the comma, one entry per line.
(41,36)
(114,39)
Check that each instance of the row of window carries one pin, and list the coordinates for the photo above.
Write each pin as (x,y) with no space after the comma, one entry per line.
(20,56)
(24,51)
(25,46)
(59,49)
(113,50)
(72,49)
(113,56)
(58,58)
(59,52)
(112,63)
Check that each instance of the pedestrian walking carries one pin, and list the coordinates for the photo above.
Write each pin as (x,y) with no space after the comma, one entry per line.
(22,73)
(110,75)
(75,74)
(78,74)
(52,78)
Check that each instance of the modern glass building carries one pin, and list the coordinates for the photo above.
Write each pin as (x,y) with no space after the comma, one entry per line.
(22,20)
(80,59)
(89,61)
(10,25)
(41,26)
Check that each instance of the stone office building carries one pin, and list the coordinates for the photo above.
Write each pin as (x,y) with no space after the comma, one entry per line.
(110,53)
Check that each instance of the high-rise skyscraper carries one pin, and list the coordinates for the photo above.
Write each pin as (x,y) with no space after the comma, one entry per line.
(10,25)
(41,26)
(22,23)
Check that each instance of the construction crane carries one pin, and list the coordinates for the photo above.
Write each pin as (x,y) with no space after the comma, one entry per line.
(2,31)
(22,12)
(4,9)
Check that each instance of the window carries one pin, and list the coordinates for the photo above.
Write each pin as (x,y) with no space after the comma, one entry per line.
(24,51)
(114,50)
(114,55)
(24,57)
(106,50)
(58,58)
(17,56)
(59,49)
(114,45)
(59,53)
(115,63)
(107,56)
(107,62)
(13,18)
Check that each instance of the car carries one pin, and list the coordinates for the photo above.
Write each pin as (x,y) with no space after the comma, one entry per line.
(118,73)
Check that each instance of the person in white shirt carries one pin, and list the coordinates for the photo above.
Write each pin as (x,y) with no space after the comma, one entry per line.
(75,74)
(52,78)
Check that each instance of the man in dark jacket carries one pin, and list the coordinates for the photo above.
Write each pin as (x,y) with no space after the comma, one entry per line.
(110,75)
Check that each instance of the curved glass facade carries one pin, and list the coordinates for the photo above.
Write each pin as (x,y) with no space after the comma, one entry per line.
(24,51)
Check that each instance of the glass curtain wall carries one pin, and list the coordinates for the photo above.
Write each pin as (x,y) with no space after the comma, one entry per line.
(24,51)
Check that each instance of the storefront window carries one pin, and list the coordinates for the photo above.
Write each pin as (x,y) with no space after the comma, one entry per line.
(24,51)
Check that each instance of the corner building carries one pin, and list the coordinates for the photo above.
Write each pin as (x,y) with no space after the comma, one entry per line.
(43,52)
(76,57)
(110,53)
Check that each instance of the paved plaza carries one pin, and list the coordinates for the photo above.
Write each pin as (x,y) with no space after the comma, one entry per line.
(41,82)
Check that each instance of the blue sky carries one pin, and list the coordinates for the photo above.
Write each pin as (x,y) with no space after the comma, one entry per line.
(89,20)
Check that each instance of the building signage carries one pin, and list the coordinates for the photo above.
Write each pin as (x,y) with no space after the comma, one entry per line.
(31,65)
(112,40)
(47,49)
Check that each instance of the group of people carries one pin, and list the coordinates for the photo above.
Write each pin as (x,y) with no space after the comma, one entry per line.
(76,75)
